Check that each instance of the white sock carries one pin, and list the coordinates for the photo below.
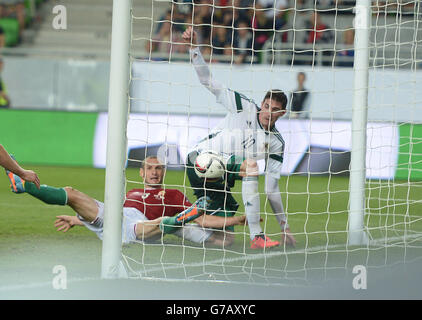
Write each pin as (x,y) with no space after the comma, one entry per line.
(250,197)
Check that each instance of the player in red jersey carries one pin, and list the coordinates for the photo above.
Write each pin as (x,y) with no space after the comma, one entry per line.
(147,213)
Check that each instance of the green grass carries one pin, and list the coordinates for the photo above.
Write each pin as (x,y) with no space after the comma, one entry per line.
(317,209)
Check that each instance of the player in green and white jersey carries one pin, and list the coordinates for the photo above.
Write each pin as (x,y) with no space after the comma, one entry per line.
(246,134)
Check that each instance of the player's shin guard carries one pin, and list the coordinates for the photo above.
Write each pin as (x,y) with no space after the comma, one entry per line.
(47,194)
(251,202)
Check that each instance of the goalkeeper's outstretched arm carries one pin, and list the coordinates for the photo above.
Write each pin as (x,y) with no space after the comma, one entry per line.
(221,92)
(201,68)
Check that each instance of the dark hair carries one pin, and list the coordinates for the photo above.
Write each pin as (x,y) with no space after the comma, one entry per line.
(242,20)
(277,95)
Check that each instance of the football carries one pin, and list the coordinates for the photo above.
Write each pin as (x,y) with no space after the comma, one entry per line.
(209,165)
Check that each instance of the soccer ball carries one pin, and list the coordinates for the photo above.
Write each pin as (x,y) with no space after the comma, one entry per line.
(209,165)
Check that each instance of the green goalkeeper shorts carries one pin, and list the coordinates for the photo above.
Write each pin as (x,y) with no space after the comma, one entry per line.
(222,202)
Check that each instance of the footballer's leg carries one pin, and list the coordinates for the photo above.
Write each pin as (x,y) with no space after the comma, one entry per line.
(215,228)
(148,229)
(82,204)
(221,239)
(47,194)
(250,196)
(197,209)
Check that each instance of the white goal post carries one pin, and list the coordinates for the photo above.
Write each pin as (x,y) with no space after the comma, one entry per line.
(357,235)
(116,140)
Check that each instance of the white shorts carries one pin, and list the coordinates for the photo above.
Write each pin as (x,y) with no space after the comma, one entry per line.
(131,217)
(194,232)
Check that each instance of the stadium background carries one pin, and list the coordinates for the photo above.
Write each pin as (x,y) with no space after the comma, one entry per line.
(58,84)
(68,70)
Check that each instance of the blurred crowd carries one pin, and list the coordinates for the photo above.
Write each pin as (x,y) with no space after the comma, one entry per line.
(239,29)
(15,17)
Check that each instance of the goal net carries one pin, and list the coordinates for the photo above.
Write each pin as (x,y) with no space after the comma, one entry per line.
(306,49)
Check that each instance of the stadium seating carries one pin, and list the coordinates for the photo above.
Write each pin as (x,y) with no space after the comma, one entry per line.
(88,27)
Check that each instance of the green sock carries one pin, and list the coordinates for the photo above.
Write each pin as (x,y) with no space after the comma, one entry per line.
(47,194)
(169,225)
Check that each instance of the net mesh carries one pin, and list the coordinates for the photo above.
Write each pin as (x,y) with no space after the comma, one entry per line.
(305,48)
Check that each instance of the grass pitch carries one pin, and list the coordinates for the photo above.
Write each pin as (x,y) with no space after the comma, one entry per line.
(30,247)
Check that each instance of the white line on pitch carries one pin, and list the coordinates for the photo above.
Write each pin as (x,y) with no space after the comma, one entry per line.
(258,256)
(218,261)
(35,285)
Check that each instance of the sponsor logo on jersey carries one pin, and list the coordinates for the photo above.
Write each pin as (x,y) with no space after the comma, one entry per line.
(160,195)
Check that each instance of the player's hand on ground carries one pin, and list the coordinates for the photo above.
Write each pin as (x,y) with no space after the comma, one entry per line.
(288,238)
(64,223)
(190,36)
(31,176)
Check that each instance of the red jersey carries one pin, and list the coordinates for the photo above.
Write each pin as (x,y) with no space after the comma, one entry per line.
(154,203)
